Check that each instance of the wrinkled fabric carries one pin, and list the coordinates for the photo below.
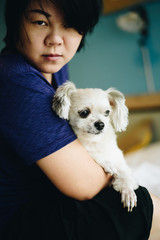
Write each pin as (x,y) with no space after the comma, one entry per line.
(102,217)
(29,131)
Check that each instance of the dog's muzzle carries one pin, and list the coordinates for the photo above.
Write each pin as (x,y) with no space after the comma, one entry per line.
(99,125)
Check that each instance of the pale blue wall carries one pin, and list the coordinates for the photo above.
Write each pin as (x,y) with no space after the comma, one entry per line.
(112,57)
(2,25)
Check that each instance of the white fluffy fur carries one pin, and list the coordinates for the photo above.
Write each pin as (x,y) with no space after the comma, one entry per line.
(69,103)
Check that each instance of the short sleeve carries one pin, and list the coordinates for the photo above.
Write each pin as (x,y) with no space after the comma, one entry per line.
(28,122)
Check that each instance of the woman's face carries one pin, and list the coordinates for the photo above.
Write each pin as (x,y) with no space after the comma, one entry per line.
(45,40)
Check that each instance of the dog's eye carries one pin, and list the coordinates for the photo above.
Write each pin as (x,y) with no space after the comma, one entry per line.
(84,113)
(107,113)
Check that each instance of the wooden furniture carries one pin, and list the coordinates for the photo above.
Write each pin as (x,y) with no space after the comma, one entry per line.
(143,102)
(144,119)
(111,6)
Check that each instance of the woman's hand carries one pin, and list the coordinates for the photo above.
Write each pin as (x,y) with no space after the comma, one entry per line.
(74,172)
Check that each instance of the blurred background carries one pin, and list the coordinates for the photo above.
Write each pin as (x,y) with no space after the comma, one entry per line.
(124,52)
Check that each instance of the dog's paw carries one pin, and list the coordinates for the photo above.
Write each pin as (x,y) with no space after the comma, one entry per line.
(129,199)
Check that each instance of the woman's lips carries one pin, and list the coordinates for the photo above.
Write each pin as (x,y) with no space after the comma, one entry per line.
(52,57)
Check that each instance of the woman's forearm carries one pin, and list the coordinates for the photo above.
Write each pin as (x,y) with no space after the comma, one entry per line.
(74,172)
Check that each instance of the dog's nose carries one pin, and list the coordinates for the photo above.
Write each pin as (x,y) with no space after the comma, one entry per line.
(99,125)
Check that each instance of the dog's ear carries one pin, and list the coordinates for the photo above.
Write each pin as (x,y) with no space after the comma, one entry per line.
(119,114)
(61,99)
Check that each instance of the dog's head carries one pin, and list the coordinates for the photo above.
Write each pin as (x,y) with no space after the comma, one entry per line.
(91,110)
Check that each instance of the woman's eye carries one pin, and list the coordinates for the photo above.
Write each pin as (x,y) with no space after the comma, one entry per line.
(40,23)
(84,113)
(66,25)
(107,113)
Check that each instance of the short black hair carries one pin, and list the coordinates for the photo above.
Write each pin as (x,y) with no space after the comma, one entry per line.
(82,15)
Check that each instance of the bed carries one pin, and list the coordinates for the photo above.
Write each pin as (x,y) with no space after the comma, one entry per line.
(145,164)
(141,141)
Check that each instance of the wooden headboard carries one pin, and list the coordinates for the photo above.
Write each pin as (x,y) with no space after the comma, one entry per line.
(143,102)
(144,119)
(111,6)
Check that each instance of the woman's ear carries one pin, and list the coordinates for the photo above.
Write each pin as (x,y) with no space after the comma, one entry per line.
(119,114)
(62,99)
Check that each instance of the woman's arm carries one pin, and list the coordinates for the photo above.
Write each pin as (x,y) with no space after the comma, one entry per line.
(74,172)
(155,230)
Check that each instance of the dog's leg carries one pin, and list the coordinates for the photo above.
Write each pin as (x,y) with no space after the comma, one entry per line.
(124,183)
(123,180)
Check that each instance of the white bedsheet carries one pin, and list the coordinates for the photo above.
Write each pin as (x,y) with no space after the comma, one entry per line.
(145,164)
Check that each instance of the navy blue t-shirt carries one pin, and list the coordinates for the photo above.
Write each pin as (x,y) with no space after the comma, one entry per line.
(29,131)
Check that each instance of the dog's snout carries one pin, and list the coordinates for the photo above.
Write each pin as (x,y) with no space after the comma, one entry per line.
(99,125)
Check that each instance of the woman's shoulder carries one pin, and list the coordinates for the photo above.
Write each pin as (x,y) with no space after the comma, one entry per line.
(14,63)
(15,68)
(16,71)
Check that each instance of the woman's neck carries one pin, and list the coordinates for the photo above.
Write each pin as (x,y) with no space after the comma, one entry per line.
(48,77)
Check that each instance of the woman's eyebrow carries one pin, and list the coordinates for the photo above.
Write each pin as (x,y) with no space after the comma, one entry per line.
(41,12)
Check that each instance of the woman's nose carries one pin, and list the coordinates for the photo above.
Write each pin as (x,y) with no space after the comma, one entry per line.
(54,38)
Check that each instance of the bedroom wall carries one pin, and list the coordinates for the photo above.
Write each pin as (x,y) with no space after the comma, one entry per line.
(113,57)
(2,24)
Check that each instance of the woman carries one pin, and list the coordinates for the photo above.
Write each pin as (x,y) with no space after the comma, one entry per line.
(50,188)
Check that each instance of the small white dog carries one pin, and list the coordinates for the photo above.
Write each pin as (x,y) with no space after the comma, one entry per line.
(95,115)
